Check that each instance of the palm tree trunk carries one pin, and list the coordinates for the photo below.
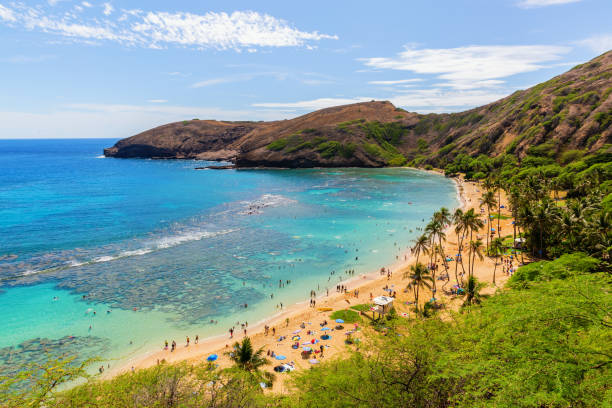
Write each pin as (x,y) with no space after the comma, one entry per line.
(456,260)
(498,211)
(488,225)
(494,269)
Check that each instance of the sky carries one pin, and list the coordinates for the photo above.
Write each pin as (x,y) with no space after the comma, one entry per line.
(111,69)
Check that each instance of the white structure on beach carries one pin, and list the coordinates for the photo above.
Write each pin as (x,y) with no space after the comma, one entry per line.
(384,303)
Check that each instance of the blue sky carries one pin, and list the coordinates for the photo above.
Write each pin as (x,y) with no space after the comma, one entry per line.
(115,68)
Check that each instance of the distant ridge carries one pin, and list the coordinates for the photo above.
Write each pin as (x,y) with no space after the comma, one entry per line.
(570,111)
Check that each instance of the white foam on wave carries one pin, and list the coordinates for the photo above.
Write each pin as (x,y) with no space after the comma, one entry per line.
(168,242)
(265,201)
(101,157)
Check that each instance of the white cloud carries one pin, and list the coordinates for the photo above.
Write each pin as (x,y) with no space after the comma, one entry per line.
(221,80)
(312,104)
(86,4)
(598,43)
(7,14)
(449,100)
(464,85)
(239,30)
(108,9)
(543,3)
(421,100)
(473,66)
(399,81)
(157,100)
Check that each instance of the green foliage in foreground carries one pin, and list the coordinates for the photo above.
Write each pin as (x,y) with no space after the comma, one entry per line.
(548,346)
(560,268)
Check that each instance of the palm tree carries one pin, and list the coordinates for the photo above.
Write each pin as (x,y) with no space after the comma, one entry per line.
(421,245)
(497,187)
(458,221)
(488,200)
(471,223)
(497,248)
(442,218)
(472,292)
(245,358)
(420,278)
(475,250)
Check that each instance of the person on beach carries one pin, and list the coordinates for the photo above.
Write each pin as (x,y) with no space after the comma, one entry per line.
(173,346)
(197,338)
(187,342)
(231,332)
(166,345)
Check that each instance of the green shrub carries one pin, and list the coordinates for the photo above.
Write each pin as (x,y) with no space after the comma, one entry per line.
(278,144)
(349,316)
(561,268)
(328,149)
(570,156)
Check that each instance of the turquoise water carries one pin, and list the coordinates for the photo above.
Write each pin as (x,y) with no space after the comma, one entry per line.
(157,249)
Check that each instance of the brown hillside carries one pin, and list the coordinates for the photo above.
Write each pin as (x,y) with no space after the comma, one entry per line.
(570,111)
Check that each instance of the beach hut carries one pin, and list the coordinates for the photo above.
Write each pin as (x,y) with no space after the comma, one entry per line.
(383,303)
(518,243)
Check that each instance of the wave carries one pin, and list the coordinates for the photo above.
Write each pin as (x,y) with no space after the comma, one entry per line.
(149,246)
(265,201)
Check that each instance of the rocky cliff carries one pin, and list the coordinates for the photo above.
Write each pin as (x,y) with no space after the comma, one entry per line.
(570,111)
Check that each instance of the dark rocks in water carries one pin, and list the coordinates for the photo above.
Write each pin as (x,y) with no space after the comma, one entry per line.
(219,167)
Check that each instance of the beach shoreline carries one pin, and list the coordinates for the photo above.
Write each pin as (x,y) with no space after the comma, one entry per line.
(297,311)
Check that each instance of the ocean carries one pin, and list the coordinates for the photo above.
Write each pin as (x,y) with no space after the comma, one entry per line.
(110,257)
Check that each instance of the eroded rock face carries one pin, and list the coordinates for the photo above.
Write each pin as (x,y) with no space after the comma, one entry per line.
(570,111)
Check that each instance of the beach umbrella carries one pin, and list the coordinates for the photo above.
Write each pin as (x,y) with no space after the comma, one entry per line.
(313,361)
(279,357)
(296,332)
(339,321)
(325,337)
(295,338)
(324,328)
(212,357)
(306,348)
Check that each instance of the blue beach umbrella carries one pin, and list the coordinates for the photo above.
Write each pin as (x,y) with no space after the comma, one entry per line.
(339,321)
(212,357)
(306,348)
(279,357)
(324,328)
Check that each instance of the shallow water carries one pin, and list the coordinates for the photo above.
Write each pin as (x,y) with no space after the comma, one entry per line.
(157,249)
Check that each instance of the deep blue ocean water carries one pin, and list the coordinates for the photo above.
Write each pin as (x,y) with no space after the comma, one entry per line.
(158,249)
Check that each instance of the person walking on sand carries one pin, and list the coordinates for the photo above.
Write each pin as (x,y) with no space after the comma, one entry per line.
(231,332)
(166,345)
(187,342)
(197,338)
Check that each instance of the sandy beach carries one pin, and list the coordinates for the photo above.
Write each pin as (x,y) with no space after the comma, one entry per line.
(288,322)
